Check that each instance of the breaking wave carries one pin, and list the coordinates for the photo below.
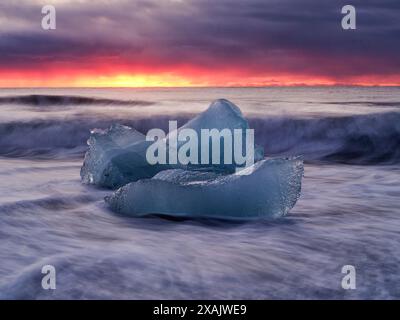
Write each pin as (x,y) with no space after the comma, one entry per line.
(64,100)
(360,139)
(62,138)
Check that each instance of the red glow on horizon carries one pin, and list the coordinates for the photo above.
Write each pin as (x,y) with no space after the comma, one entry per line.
(123,76)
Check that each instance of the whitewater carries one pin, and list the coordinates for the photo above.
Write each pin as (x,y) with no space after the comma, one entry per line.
(348,212)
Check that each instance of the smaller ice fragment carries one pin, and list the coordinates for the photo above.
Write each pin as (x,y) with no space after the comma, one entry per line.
(116,157)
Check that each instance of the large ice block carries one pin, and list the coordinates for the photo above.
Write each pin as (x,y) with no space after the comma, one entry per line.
(270,188)
(117,156)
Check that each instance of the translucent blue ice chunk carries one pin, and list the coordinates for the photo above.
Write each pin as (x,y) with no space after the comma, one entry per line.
(269,188)
(117,156)
(224,116)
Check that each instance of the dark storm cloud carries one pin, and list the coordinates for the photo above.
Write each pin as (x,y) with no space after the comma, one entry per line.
(288,36)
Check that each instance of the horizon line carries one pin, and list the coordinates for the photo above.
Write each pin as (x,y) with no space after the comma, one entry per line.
(205,87)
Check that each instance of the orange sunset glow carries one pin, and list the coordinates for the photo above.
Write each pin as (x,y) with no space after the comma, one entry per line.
(169,79)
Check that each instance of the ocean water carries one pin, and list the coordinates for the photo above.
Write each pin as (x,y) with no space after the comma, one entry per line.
(348,213)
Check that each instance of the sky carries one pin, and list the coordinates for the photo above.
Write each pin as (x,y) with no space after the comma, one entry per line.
(147,43)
